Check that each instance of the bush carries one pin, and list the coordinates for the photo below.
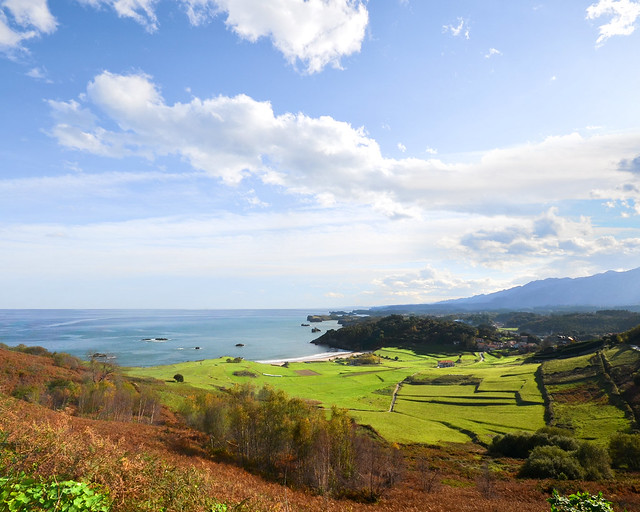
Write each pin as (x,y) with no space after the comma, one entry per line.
(595,461)
(25,493)
(552,462)
(579,502)
(625,450)
(178,377)
(520,444)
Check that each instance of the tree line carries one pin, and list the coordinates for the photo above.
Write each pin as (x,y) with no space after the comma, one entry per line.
(294,442)
(417,333)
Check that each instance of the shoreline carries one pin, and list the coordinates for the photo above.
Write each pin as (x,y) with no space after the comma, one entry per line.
(315,358)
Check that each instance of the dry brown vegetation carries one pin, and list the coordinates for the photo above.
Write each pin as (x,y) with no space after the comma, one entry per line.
(165,465)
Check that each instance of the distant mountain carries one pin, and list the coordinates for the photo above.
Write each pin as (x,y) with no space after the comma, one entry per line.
(601,291)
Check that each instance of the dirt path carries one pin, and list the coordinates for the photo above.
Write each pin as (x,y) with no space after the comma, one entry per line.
(395,394)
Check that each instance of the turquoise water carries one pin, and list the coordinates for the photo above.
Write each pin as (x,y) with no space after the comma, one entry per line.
(135,337)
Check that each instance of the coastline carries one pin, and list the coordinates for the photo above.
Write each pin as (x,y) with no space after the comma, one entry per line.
(316,358)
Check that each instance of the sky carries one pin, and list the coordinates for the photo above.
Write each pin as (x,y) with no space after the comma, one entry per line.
(313,153)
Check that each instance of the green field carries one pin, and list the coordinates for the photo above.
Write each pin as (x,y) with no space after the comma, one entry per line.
(580,398)
(473,401)
(506,398)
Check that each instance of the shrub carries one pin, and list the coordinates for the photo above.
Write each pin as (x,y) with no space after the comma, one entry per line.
(178,377)
(245,373)
(625,450)
(25,493)
(579,502)
(552,462)
(520,444)
(595,461)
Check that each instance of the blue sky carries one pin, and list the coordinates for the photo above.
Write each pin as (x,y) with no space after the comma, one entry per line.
(317,153)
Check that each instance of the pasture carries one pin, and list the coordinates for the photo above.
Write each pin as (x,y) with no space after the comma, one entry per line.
(504,397)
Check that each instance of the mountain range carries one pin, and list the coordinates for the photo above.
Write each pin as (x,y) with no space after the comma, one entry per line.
(609,290)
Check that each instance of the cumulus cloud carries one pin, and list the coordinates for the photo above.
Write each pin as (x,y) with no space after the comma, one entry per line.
(430,284)
(141,11)
(24,19)
(232,138)
(623,13)
(459,30)
(315,32)
(518,241)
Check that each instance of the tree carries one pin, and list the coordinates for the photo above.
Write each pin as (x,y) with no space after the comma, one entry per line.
(178,377)
(625,450)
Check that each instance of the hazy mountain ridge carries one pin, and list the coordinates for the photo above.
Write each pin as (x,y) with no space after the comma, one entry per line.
(607,290)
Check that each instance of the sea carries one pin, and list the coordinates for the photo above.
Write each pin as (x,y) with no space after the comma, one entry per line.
(160,337)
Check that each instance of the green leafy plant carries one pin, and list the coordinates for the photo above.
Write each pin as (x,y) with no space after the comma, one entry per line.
(579,502)
(29,494)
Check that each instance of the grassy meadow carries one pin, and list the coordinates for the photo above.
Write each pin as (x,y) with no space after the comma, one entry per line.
(473,401)
(504,398)
(582,400)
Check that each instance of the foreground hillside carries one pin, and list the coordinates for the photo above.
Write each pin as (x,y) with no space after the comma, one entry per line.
(154,461)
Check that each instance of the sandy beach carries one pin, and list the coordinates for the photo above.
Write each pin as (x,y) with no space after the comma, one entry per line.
(326,356)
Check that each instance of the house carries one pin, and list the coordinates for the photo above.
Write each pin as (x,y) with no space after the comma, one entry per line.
(446,363)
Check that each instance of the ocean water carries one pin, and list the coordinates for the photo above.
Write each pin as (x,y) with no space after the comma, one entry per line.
(157,337)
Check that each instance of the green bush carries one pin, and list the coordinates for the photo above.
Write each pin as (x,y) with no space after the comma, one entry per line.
(579,502)
(625,451)
(520,444)
(178,377)
(552,462)
(28,494)
(595,461)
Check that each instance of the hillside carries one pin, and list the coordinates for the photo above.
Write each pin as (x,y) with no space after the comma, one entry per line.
(145,461)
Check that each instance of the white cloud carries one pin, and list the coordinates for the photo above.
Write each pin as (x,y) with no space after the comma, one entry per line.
(431,151)
(141,11)
(233,137)
(508,243)
(461,29)
(402,147)
(316,32)
(624,14)
(491,53)
(24,19)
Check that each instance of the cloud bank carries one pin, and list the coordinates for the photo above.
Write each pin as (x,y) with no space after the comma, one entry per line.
(233,138)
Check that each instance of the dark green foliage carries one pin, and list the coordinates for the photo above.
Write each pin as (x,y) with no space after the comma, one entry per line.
(417,333)
(632,336)
(245,373)
(580,324)
(625,451)
(520,444)
(178,377)
(552,462)
(552,453)
(28,494)
(595,461)
(579,502)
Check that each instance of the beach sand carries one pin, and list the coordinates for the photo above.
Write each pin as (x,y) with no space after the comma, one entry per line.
(326,356)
